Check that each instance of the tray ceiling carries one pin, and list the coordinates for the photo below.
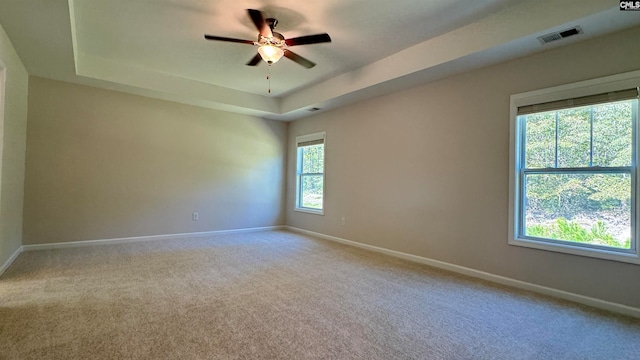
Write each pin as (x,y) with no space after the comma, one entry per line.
(156,47)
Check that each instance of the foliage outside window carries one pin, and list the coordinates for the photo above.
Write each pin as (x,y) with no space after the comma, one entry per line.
(310,173)
(575,174)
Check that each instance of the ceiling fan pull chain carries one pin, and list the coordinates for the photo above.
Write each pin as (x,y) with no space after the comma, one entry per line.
(269,78)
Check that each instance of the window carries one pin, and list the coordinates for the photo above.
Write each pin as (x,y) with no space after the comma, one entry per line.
(574,168)
(310,173)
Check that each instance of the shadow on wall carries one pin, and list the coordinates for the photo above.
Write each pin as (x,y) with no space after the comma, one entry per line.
(103,164)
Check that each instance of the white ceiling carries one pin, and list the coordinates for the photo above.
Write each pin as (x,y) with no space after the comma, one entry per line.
(156,47)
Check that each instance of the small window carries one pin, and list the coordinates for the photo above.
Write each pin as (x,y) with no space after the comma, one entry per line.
(310,173)
(574,171)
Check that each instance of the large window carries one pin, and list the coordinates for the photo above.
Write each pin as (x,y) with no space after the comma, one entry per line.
(310,173)
(575,169)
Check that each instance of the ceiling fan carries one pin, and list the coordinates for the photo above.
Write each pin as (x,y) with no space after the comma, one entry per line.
(272,45)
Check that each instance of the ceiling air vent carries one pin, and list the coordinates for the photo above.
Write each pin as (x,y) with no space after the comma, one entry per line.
(545,39)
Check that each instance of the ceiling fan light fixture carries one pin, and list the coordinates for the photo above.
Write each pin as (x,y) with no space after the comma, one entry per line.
(270,53)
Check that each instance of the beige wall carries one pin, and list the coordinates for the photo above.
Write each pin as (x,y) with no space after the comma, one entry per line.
(13,133)
(426,171)
(103,164)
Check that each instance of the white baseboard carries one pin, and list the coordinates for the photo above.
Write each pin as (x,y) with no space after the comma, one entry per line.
(10,260)
(72,244)
(581,299)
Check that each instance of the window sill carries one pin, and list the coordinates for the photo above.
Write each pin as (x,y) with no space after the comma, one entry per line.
(309,211)
(627,257)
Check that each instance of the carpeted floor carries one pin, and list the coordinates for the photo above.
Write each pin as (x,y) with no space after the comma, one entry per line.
(280,295)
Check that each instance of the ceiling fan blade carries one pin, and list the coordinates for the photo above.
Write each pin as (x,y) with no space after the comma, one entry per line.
(255,61)
(299,59)
(260,23)
(220,38)
(309,39)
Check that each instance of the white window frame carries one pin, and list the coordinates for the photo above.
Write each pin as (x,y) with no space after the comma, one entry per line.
(570,91)
(301,140)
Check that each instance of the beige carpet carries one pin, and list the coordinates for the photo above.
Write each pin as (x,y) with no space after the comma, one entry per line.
(279,295)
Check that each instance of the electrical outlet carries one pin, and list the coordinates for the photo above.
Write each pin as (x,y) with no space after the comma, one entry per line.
(344,220)
(194,216)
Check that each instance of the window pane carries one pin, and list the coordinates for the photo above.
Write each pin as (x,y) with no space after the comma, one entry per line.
(311,187)
(612,134)
(574,137)
(540,140)
(312,159)
(584,208)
